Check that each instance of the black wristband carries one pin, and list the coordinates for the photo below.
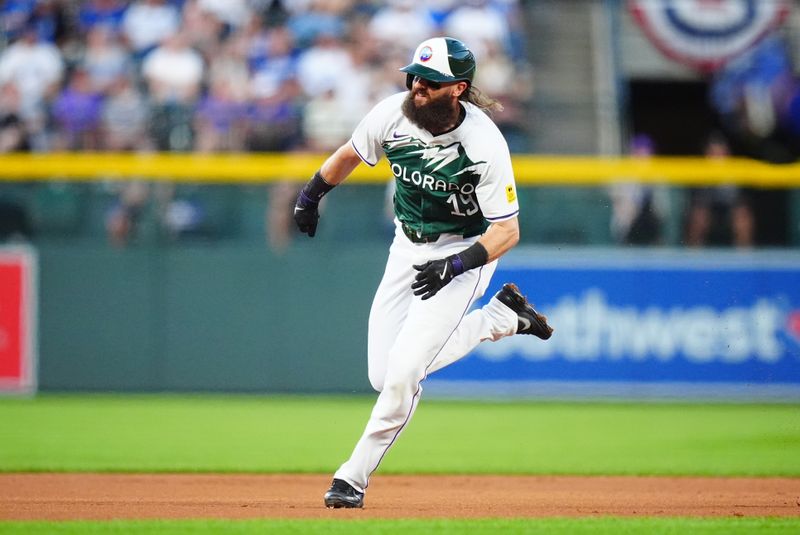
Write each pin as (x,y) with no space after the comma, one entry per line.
(473,256)
(316,188)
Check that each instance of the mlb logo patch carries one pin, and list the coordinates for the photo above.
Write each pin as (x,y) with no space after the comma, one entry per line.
(511,195)
(425,54)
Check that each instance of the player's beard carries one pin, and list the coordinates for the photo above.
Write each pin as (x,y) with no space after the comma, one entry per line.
(436,116)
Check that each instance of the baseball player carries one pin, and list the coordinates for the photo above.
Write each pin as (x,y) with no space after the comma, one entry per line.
(456,214)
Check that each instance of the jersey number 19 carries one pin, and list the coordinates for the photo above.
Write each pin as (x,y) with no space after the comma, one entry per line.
(467,207)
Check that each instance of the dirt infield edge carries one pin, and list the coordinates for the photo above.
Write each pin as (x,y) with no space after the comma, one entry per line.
(195,496)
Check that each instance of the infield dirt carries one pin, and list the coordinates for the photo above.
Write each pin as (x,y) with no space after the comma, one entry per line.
(166,496)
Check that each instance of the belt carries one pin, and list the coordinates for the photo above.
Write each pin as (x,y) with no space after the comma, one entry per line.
(412,235)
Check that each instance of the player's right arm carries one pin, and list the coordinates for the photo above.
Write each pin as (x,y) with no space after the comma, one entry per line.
(340,164)
(365,145)
(336,168)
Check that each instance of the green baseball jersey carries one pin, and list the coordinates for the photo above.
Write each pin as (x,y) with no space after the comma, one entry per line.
(456,182)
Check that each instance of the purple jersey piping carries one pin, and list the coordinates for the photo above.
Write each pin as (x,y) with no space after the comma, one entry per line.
(362,157)
(502,217)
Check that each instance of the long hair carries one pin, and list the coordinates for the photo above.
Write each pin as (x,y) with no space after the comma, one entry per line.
(473,95)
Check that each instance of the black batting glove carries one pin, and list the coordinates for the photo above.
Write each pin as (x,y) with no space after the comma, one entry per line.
(306,214)
(306,209)
(434,275)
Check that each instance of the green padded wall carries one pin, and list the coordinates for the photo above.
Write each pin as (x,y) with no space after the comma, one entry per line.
(198,318)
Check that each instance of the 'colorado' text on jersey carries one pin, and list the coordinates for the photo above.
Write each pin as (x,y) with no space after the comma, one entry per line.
(450,183)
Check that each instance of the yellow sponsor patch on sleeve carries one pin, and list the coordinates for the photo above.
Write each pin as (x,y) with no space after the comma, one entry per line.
(511,195)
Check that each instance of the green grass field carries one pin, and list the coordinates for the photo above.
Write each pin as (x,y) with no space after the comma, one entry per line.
(548,526)
(313,434)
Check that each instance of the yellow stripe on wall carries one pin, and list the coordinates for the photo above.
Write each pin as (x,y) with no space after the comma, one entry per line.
(265,168)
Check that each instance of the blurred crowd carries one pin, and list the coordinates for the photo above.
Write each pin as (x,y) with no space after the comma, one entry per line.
(226,75)
(297,75)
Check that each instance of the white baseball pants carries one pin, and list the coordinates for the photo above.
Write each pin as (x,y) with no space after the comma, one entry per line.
(410,338)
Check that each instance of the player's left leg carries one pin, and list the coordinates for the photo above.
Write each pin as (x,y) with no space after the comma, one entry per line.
(428,326)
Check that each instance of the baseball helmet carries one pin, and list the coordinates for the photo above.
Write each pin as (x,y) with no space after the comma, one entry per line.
(441,59)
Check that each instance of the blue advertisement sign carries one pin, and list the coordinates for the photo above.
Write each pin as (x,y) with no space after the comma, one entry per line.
(649,318)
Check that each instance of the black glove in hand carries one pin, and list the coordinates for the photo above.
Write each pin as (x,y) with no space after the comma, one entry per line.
(306,214)
(433,276)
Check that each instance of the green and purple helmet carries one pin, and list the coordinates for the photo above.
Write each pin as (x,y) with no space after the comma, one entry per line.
(441,59)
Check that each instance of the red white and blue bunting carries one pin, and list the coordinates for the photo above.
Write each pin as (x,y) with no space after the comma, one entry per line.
(705,34)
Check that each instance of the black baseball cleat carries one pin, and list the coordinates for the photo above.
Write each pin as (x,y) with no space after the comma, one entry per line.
(529,321)
(341,494)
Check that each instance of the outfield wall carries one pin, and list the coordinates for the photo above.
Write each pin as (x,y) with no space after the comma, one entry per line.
(226,318)
(214,309)
(205,318)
